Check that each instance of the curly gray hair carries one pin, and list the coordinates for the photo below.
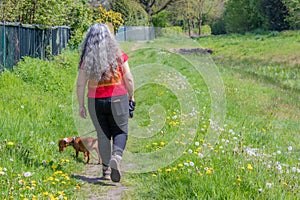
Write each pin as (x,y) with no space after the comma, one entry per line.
(101,54)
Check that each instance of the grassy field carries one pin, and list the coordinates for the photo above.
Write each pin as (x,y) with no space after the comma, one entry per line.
(220,126)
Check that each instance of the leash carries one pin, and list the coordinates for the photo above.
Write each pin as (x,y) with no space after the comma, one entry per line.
(88,132)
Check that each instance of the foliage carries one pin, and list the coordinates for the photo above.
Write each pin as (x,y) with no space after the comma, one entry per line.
(243,16)
(35,112)
(132,12)
(275,12)
(110,16)
(293,17)
(161,19)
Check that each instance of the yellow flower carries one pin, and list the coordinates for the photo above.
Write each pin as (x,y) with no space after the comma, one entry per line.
(239,179)
(54,167)
(77,187)
(162,143)
(180,165)
(285,183)
(168,170)
(174,168)
(45,193)
(159,170)
(58,172)
(61,193)
(154,175)
(249,166)
(67,160)
(202,140)
(10,144)
(208,171)
(154,143)
(1,169)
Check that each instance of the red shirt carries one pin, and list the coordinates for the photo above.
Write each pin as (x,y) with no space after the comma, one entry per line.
(108,88)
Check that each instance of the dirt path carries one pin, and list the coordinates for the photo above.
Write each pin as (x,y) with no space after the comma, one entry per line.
(96,189)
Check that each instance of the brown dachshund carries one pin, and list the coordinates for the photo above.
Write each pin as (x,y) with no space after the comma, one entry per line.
(85,145)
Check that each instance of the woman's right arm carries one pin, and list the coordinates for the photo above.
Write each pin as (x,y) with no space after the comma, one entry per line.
(81,84)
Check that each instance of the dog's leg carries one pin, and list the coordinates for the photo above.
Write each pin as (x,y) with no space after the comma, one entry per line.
(88,157)
(77,152)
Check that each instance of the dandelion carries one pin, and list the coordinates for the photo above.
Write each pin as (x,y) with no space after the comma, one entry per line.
(22,106)
(168,170)
(162,143)
(180,165)
(197,143)
(27,174)
(54,167)
(290,148)
(186,164)
(52,143)
(77,187)
(21,182)
(10,144)
(294,169)
(278,152)
(260,190)
(269,185)
(45,193)
(159,170)
(154,175)
(231,132)
(239,179)
(190,151)
(192,164)
(208,172)
(249,166)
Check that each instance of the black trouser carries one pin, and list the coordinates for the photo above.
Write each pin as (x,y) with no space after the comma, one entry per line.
(110,118)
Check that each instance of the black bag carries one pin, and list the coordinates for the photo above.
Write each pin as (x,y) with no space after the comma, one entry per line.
(131,108)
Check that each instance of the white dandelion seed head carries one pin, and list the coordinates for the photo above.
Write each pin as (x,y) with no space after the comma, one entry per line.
(200,155)
(231,131)
(192,164)
(197,143)
(190,151)
(278,152)
(290,148)
(52,143)
(269,185)
(294,169)
(27,174)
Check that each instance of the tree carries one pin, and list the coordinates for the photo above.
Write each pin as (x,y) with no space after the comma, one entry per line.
(132,12)
(276,13)
(243,15)
(293,17)
(192,13)
(153,7)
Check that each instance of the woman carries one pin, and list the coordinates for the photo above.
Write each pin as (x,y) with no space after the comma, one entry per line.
(104,67)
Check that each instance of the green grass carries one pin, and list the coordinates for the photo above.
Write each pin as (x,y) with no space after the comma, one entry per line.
(181,146)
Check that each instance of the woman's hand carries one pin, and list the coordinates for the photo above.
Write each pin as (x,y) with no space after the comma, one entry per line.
(82,112)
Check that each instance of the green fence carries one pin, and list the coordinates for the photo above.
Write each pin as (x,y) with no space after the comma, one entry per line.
(18,40)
